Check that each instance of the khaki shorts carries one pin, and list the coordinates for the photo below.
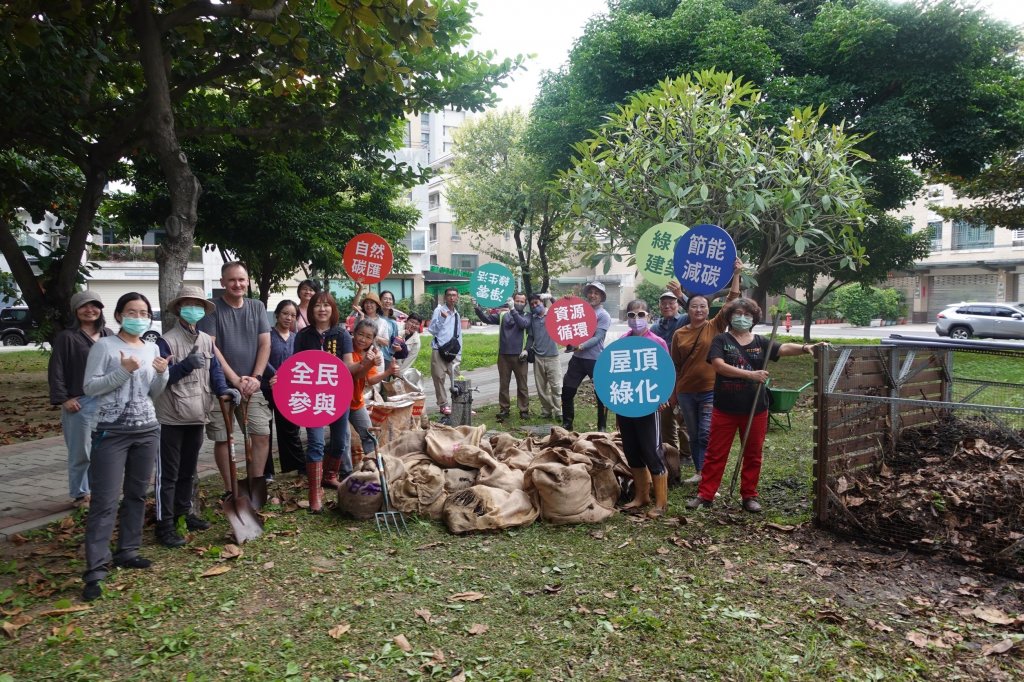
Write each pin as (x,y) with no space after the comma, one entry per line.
(259,420)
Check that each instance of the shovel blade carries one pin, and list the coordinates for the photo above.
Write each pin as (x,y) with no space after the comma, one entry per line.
(245,522)
(256,494)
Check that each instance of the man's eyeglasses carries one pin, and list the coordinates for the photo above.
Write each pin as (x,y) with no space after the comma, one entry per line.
(634,314)
(136,314)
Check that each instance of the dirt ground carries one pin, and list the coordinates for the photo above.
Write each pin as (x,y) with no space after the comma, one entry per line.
(25,410)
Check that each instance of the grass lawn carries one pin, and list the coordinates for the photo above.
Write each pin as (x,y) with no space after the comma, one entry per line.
(478,350)
(716,594)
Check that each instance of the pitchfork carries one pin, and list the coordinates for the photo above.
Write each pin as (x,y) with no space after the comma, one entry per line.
(388,519)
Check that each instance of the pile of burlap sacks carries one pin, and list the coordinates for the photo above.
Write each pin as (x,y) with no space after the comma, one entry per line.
(455,475)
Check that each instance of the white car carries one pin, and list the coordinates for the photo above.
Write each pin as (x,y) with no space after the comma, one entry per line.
(156,328)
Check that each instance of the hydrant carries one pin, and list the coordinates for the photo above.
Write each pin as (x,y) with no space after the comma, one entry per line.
(789,321)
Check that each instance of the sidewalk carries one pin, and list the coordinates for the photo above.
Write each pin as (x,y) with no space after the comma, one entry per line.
(34,479)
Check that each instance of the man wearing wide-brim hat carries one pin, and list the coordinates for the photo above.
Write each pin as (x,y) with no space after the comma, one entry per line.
(183,410)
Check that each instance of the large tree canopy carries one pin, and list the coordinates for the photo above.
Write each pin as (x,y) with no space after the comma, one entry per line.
(91,84)
(499,187)
(938,83)
(694,150)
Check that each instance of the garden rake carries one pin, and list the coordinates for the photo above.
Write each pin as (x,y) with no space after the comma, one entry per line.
(388,519)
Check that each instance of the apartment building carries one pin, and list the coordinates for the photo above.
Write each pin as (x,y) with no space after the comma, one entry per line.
(967,262)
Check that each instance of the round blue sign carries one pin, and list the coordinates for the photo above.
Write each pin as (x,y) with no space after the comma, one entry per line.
(633,376)
(492,284)
(704,260)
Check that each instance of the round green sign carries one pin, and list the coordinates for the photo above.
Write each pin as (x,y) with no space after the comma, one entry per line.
(492,284)
(655,251)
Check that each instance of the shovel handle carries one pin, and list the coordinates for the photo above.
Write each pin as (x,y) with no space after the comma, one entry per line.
(226,412)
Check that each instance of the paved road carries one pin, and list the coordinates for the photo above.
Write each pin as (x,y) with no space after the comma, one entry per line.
(33,476)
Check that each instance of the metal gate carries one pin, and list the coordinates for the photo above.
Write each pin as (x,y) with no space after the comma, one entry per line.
(949,289)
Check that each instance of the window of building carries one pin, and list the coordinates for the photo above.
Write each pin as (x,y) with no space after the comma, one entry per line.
(433,232)
(464,261)
(407,135)
(416,240)
(433,259)
(1018,237)
(449,132)
(455,233)
(447,147)
(434,200)
(969,236)
(935,233)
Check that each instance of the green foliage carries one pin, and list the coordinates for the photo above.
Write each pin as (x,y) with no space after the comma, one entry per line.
(694,150)
(499,188)
(860,304)
(895,69)
(995,193)
(649,293)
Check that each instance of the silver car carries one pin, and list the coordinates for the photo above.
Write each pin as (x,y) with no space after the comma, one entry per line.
(993,320)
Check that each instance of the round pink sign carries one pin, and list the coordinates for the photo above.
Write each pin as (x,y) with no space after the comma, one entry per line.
(313,389)
(570,321)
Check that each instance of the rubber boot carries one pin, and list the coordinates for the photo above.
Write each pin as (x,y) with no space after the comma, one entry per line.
(314,471)
(167,534)
(660,496)
(331,467)
(602,417)
(641,490)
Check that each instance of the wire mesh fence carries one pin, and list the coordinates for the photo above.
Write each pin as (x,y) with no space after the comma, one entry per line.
(923,447)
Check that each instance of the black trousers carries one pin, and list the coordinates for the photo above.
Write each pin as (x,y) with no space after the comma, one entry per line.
(578,370)
(641,442)
(289,445)
(177,459)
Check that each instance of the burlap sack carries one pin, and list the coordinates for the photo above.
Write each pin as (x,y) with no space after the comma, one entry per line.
(456,479)
(407,442)
(672,463)
(565,493)
(421,490)
(483,508)
(454,446)
(359,495)
(502,442)
(516,458)
(398,386)
(495,474)
(391,418)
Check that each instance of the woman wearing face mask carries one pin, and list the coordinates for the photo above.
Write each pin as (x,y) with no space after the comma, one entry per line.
(123,374)
(183,409)
(641,436)
(695,378)
(738,357)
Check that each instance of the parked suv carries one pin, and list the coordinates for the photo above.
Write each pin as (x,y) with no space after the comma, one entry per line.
(995,320)
(15,325)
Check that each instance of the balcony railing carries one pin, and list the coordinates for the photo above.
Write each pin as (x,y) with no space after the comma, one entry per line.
(134,253)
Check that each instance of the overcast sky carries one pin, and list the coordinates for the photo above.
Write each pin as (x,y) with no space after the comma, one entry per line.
(548,28)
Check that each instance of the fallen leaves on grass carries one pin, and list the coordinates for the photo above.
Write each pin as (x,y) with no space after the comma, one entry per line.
(216,570)
(424,614)
(466,596)
(230,552)
(478,629)
(990,614)
(11,627)
(946,640)
(997,648)
(780,527)
(338,630)
(402,643)
(76,608)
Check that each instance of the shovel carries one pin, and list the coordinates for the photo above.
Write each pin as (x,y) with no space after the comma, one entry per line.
(753,410)
(388,520)
(245,523)
(254,488)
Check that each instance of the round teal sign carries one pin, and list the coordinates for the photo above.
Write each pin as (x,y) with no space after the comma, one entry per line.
(492,284)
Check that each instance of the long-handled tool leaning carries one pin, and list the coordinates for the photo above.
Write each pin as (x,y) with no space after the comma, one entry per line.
(252,486)
(388,519)
(245,522)
(753,409)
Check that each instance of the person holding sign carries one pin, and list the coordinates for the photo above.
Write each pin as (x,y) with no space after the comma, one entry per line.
(641,436)
(738,357)
(695,378)
(512,326)
(326,334)
(547,371)
(584,356)
(445,347)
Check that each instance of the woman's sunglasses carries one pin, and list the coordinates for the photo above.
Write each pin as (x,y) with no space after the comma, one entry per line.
(632,315)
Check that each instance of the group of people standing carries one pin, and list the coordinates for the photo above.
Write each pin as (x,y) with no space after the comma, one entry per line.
(128,406)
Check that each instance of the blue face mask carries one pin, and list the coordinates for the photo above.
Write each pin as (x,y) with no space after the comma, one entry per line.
(192,313)
(134,325)
(742,322)
(538,310)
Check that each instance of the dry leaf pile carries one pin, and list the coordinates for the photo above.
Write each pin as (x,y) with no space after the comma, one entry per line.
(954,487)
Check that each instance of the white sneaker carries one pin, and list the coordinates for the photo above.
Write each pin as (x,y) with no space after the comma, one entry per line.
(693,480)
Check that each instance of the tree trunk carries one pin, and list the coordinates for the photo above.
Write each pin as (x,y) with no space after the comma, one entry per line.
(524,261)
(809,305)
(542,247)
(182,186)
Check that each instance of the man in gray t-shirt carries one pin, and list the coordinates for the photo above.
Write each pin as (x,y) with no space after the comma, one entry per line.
(241,332)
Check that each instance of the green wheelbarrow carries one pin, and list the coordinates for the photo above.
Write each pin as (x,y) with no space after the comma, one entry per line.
(781,401)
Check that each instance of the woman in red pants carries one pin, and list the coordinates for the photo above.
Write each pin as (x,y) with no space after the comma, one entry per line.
(739,357)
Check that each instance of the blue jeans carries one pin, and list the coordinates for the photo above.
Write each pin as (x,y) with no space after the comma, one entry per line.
(339,446)
(696,409)
(360,419)
(77,427)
